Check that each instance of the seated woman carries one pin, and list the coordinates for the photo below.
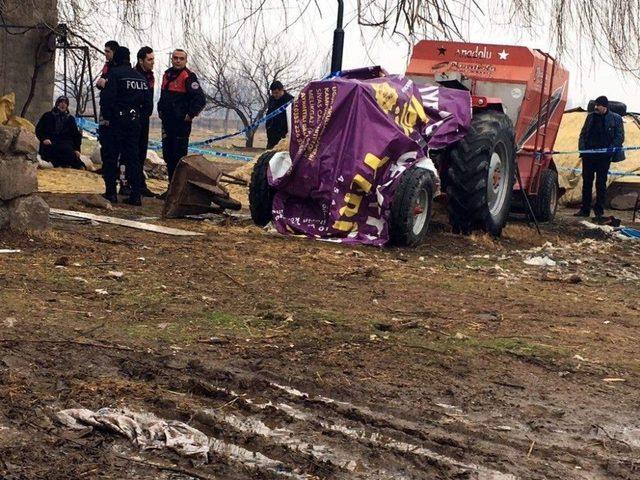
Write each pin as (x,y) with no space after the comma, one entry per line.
(60,139)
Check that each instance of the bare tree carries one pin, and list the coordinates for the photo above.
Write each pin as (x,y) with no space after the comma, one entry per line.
(79,80)
(236,78)
(605,29)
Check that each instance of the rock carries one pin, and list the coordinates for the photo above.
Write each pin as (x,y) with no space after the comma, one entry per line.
(540,262)
(26,142)
(7,135)
(30,213)
(18,177)
(88,164)
(95,201)
(4,215)
(96,157)
(154,166)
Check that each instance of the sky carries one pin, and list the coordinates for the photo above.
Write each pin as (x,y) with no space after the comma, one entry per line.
(365,47)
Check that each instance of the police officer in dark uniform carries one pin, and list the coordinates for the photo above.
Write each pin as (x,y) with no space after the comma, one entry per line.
(124,101)
(181,100)
(146,62)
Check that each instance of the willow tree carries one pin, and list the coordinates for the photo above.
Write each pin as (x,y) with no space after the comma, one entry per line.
(607,28)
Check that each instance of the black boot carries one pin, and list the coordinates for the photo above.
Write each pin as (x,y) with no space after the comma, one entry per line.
(125,190)
(112,197)
(148,193)
(135,200)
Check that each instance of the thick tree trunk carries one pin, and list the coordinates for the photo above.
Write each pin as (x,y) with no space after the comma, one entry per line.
(250,135)
(26,65)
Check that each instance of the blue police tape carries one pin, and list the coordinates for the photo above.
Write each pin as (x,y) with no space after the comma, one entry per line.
(612,173)
(92,128)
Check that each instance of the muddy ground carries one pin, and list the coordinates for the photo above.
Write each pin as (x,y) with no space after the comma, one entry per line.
(307,360)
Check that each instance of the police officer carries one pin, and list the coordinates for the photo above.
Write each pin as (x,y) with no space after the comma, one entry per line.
(124,101)
(277,127)
(146,62)
(109,49)
(181,100)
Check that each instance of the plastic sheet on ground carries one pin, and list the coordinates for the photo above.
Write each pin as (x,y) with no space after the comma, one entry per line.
(145,430)
(352,138)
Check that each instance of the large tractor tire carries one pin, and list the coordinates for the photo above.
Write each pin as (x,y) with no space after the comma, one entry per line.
(545,203)
(412,207)
(260,192)
(481,175)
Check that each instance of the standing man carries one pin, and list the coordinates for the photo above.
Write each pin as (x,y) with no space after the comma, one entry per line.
(124,101)
(109,49)
(146,62)
(277,127)
(181,100)
(602,129)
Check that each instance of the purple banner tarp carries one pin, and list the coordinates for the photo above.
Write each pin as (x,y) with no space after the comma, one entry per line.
(352,138)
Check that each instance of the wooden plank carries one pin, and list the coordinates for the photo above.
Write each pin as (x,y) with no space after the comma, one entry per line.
(127,223)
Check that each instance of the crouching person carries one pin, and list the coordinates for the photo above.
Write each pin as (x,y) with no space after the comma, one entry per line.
(124,101)
(60,139)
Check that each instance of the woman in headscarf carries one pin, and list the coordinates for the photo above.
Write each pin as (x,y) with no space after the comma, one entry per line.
(60,139)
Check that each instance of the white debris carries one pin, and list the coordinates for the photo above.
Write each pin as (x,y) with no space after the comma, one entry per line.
(6,250)
(116,274)
(144,429)
(540,262)
(101,291)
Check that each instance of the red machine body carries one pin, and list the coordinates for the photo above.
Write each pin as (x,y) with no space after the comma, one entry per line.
(529,86)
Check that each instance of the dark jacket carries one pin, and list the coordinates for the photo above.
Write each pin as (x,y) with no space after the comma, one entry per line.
(181,95)
(602,131)
(151,82)
(104,73)
(278,124)
(126,90)
(60,128)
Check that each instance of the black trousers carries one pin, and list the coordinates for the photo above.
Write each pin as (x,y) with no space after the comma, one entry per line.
(143,146)
(61,155)
(175,143)
(597,168)
(121,141)
(274,137)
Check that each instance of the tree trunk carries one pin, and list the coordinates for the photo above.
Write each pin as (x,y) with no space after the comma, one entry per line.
(20,54)
(250,136)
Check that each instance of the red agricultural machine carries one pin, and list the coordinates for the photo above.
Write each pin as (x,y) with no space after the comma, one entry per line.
(505,159)
(518,98)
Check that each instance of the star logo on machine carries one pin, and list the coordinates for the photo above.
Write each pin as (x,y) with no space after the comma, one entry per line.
(441,51)
(195,85)
(504,55)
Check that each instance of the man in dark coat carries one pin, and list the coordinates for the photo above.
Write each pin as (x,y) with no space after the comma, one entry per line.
(277,127)
(124,101)
(181,100)
(602,129)
(146,62)
(60,139)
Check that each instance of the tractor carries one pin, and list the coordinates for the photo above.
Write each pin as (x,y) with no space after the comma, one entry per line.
(504,161)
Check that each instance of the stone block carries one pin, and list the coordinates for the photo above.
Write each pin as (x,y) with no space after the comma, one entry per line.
(18,176)
(30,213)
(96,157)
(4,215)
(26,142)
(7,136)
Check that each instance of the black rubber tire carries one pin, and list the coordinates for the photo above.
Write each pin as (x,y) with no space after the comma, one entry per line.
(543,204)
(468,174)
(401,222)
(260,192)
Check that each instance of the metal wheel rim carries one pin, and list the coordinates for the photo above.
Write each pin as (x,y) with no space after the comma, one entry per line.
(497,180)
(420,212)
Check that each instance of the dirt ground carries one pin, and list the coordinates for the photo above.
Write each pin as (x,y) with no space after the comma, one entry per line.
(309,360)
